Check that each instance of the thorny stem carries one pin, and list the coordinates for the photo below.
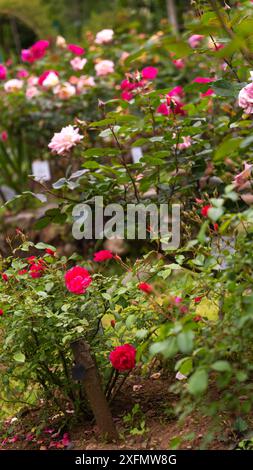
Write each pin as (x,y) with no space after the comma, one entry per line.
(122,159)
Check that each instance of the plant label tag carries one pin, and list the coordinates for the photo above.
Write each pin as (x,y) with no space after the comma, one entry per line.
(136,154)
(41,170)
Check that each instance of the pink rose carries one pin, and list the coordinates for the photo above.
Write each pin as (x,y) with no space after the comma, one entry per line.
(203,80)
(105,36)
(245,98)
(4,136)
(102,255)
(179,63)
(75,49)
(176,91)
(149,73)
(3,72)
(104,67)
(244,176)
(195,40)
(77,63)
(77,279)
(22,73)
(187,142)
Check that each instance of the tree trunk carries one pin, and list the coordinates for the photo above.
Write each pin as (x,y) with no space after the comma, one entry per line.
(172,16)
(93,389)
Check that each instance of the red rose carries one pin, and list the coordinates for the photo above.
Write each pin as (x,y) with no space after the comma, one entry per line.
(197,300)
(1,312)
(36,269)
(5,277)
(50,252)
(123,357)
(21,272)
(102,255)
(204,210)
(77,279)
(145,287)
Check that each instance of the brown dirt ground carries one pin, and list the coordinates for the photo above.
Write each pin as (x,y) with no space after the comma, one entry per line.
(161,427)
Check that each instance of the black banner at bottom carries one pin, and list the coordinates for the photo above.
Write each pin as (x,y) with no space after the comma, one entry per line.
(124,458)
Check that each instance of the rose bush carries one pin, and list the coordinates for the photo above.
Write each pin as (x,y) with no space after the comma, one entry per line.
(190,308)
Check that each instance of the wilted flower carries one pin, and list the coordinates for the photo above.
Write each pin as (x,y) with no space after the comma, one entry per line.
(64,140)
(242,177)
(180,376)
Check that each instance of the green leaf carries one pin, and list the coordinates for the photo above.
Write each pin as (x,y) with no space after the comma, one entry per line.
(215,213)
(198,382)
(227,147)
(221,366)
(185,341)
(19,357)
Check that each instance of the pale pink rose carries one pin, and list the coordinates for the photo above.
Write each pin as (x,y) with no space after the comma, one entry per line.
(32,81)
(63,141)
(245,98)
(31,92)
(104,36)
(180,376)
(13,85)
(195,40)
(61,42)
(187,142)
(65,91)
(77,63)
(124,56)
(85,82)
(104,67)
(242,177)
